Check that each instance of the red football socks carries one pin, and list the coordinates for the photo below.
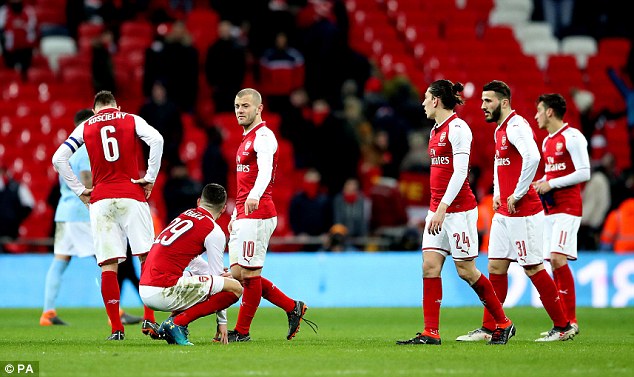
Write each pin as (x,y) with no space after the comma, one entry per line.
(251,296)
(566,286)
(273,294)
(500,283)
(549,297)
(489,299)
(432,297)
(213,303)
(111,296)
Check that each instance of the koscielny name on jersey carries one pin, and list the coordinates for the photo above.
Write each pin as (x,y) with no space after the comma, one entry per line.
(555,167)
(440,160)
(242,168)
(195,215)
(106,117)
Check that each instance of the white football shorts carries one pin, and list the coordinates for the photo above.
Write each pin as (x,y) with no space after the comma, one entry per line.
(115,222)
(560,235)
(187,292)
(73,239)
(249,241)
(517,238)
(458,237)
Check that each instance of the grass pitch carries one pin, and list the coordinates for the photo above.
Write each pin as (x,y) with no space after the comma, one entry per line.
(350,342)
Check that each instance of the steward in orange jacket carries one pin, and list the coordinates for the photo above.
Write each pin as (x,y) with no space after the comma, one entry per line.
(618,229)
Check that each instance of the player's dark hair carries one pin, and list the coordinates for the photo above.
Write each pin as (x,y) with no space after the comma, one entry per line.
(448,93)
(214,196)
(104,98)
(499,87)
(82,115)
(554,101)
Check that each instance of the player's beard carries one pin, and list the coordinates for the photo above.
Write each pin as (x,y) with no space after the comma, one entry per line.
(495,114)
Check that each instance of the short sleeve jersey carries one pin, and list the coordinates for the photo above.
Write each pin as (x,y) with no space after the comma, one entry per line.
(509,167)
(442,150)
(560,151)
(260,139)
(70,208)
(185,238)
(113,149)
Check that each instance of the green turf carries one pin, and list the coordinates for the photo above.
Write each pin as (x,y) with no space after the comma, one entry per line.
(350,342)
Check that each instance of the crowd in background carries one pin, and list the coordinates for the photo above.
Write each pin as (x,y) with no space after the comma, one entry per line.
(358,138)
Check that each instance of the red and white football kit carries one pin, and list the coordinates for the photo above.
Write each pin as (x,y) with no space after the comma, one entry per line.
(567,165)
(163,285)
(119,210)
(449,149)
(516,236)
(256,162)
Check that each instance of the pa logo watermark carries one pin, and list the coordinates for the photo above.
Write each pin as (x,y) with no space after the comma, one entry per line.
(19,368)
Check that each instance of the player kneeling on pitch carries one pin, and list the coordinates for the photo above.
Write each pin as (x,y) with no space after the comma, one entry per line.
(175,277)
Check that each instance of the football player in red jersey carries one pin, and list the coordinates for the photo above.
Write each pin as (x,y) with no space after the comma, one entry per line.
(203,288)
(517,225)
(451,228)
(567,166)
(254,219)
(119,212)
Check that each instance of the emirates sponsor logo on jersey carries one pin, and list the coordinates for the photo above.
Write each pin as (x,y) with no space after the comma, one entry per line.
(243,168)
(440,161)
(432,152)
(502,161)
(555,167)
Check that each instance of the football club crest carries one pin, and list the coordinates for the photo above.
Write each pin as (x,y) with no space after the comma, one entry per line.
(559,146)
(443,136)
(503,139)
(247,145)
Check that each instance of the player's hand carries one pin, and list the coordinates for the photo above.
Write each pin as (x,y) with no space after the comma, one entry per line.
(226,274)
(221,334)
(85,196)
(230,226)
(250,206)
(496,203)
(435,223)
(542,187)
(510,203)
(147,186)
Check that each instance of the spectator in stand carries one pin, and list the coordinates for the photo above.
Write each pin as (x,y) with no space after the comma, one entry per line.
(352,209)
(337,240)
(215,167)
(310,211)
(180,191)
(16,203)
(297,127)
(19,28)
(173,59)
(102,66)
(163,113)
(618,232)
(626,88)
(281,57)
(225,66)
(596,200)
(340,136)
(388,206)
